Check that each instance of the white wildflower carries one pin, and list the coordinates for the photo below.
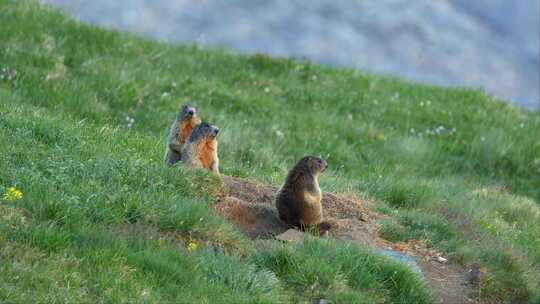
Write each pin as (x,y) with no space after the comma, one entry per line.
(130,121)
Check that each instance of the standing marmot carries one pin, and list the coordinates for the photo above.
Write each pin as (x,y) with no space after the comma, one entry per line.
(299,199)
(180,130)
(200,150)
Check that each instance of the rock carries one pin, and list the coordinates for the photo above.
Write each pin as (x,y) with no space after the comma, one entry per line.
(292,236)
(440,259)
(363,217)
(475,274)
(407,260)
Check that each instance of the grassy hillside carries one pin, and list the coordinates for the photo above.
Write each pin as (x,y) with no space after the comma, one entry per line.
(83,118)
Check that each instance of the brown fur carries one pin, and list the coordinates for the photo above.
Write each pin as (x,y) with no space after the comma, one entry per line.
(299,199)
(179,133)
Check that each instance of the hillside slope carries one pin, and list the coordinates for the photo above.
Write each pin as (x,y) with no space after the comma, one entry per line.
(83,115)
(492,44)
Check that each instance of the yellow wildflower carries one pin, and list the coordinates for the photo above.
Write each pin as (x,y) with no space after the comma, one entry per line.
(12,194)
(192,246)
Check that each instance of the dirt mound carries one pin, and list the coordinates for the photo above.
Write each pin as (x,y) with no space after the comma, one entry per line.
(257,221)
(250,205)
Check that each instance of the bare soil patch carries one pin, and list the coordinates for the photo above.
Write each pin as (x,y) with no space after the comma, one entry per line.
(250,205)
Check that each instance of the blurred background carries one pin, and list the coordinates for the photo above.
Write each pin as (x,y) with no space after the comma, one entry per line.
(489,44)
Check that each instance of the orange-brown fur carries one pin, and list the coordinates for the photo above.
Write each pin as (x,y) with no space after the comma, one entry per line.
(200,150)
(185,128)
(206,152)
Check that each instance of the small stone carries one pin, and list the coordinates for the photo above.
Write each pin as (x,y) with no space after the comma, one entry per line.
(474,275)
(292,236)
(363,217)
(440,259)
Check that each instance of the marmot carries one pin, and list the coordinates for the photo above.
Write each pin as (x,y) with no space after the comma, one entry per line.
(298,201)
(200,150)
(181,128)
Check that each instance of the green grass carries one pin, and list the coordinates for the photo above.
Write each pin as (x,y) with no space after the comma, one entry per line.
(84,186)
(471,189)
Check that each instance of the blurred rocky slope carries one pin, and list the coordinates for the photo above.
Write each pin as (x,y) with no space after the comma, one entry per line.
(493,44)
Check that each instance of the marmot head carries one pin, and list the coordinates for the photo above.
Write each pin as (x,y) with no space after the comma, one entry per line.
(187,112)
(203,130)
(312,164)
